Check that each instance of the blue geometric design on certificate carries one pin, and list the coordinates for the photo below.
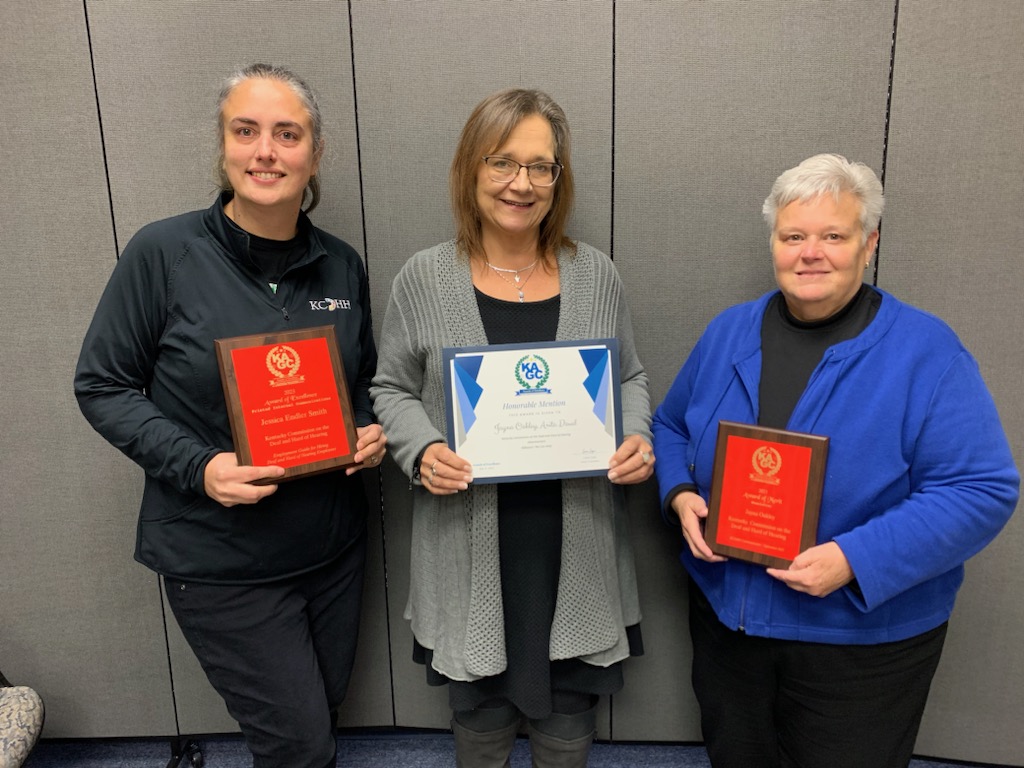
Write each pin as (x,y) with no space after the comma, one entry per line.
(467,390)
(597,382)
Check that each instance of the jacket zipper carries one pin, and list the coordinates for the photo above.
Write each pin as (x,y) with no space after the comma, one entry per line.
(743,604)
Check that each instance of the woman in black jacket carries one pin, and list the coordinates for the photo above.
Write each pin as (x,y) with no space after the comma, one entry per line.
(265,580)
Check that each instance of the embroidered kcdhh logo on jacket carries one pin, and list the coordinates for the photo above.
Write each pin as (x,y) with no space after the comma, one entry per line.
(329,304)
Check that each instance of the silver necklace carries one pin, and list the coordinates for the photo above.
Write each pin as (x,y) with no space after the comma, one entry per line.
(515,273)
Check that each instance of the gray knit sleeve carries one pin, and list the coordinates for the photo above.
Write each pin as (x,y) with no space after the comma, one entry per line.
(398,386)
(612,311)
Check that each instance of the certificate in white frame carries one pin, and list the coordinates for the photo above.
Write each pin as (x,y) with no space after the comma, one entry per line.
(537,411)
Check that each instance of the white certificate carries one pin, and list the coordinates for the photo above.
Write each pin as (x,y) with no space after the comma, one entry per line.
(534,411)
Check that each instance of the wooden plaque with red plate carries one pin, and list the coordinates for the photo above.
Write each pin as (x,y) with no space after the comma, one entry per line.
(765,493)
(288,401)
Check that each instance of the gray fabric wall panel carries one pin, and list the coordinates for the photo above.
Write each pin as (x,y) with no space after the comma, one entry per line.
(951,244)
(417,705)
(159,65)
(713,101)
(657,703)
(369,699)
(420,69)
(81,622)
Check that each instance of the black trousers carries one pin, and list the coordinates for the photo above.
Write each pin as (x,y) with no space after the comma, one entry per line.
(769,703)
(279,654)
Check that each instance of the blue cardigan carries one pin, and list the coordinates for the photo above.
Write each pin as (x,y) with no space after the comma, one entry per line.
(919,477)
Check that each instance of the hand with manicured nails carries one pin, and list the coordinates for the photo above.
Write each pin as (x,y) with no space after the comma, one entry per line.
(443,472)
(632,463)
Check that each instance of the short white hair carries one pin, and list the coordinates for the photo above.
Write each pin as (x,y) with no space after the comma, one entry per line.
(828,174)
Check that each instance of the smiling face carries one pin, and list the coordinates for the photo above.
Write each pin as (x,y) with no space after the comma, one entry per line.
(819,255)
(517,207)
(268,145)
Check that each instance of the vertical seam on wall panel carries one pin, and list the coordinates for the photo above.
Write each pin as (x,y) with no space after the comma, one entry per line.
(611,228)
(611,255)
(888,117)
(167,646)
(103,143)
(366,255)
(359,154)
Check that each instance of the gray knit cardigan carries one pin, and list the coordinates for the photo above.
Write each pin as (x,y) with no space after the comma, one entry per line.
(455,594)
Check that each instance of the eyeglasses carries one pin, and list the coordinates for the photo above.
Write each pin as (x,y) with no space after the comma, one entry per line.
(504,169)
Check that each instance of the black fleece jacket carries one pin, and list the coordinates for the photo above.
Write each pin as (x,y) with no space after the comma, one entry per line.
(148,381)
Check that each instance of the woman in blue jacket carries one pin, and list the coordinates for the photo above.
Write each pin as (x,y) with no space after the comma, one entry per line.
(264,580)
(829,662)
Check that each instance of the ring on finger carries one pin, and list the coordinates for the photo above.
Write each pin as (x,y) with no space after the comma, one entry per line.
(645,456)
(433,469)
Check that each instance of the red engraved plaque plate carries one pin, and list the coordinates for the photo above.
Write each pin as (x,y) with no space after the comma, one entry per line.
(765,493)
(288,401)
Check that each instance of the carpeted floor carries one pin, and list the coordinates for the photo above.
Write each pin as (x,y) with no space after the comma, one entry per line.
(363,750)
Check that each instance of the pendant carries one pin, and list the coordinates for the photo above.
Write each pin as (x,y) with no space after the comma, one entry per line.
(517,278)
(521,300)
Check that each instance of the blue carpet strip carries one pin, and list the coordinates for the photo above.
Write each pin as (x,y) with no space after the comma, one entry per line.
(375,750)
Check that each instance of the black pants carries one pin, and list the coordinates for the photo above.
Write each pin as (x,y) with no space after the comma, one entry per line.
(769,703)
(279,654)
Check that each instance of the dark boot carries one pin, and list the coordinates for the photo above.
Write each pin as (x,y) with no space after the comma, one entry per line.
(550,752)
(489,749)
(562,740)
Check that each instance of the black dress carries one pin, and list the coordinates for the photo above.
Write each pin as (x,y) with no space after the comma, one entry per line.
(530,550)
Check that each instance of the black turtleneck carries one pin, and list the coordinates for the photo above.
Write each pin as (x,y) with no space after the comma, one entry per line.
(273,257)
(791,349)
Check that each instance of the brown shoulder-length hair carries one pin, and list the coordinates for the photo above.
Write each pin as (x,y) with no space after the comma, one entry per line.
(490,125)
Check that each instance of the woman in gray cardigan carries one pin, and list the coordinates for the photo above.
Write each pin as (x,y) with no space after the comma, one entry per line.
(523,597)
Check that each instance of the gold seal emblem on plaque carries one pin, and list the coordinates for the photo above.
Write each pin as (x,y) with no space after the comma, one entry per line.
(282,361)
(767,461)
